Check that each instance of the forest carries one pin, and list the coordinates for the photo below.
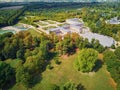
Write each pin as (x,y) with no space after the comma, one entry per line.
(10,17)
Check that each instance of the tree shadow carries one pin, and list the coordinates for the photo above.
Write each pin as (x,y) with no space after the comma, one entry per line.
(98,65)
(80,87)
(9,84)
(52,55)
(36,79)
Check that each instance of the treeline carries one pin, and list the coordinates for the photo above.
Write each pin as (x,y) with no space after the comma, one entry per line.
(47,5)
(33,53)
(12,46)
(112,60)
(10,17)
(67,86)
(48,11)
(14,19)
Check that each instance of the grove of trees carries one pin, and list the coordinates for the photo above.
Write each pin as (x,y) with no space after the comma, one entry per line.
(7,75)
(10,17)
(86,60)
(113,65)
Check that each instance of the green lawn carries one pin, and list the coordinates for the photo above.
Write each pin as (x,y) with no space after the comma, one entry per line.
(65,72)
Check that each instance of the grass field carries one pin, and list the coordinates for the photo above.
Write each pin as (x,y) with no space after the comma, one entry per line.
(65,72)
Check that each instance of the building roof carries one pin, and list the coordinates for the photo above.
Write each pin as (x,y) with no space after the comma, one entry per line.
(54,29)
(78,28)
(114,20)
(104,40)
(66,26)
(65,30)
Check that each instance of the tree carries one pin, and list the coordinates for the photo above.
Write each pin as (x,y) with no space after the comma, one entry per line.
(27,53)
(117,52)
(35,63)
(10,48)
(113,65)
(20,54)
(7,74)
(59,48)
(28,41)
(23,76)
(44,47)
(97,46)
(36,41)
(56,59)
(86,60)
(84,44)
(71,86)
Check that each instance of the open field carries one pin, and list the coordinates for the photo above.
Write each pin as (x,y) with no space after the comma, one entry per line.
(65,72)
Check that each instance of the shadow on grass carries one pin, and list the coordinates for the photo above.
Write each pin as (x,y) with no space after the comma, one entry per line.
(36,79)
(98,65)
(52,55)
(80,87)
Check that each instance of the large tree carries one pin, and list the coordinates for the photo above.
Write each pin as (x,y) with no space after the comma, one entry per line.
(7,74)
(23,76)
(86,60)
(113,66)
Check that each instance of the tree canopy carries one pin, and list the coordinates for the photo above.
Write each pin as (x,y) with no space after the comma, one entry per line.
(117,52)
(86,60)
(7,74)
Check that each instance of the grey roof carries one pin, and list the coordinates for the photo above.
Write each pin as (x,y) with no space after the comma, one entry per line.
(77,27)
(114,20)
(65,30)
(104,40)
(54,29)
